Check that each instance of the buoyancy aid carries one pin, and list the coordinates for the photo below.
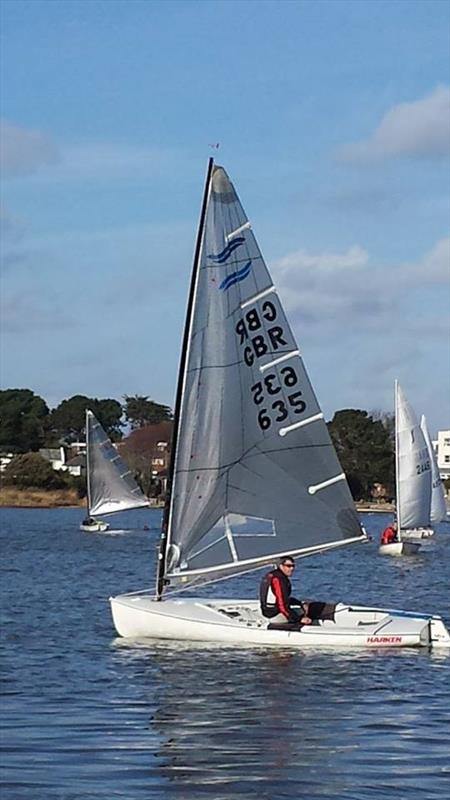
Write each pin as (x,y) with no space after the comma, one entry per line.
(275,594)
(388,536)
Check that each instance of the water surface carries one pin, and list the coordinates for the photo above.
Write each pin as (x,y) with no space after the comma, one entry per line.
(89,716)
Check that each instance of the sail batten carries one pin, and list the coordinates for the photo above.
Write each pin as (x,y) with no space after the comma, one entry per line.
(295,425)
(279,360)
(237,483)
(243,227)
(258,296)
(324,484)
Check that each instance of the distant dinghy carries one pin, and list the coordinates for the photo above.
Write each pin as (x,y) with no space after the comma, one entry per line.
(412,477)
(110,484)
(438,506)
(254,474)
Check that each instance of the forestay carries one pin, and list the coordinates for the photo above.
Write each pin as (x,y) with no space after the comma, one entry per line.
(111,486)
(413,466)
(255,474)
(438,510)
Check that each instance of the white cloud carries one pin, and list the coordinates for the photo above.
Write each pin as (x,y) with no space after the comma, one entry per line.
(420,129)
(360,324)
(24,152)
(435,266)
(354,258)
(329,289)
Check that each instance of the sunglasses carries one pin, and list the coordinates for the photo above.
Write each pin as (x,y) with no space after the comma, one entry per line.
(290,566)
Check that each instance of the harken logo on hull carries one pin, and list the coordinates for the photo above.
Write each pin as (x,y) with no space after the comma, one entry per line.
(384,639)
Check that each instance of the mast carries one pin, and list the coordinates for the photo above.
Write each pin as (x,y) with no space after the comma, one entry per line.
(88,483)
(397,471)
(177,411)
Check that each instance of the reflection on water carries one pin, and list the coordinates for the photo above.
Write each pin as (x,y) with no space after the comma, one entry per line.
(268,724)
(88,716)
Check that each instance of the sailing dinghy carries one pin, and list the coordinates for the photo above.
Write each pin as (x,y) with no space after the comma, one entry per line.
(110,484)
(412,479)
(438,507)
(254,474)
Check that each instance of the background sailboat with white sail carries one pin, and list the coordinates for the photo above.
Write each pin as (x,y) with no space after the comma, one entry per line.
(438,506)
(110,484)
(254,473)
(413,477)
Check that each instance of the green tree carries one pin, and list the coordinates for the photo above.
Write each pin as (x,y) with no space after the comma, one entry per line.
(365,450)
(387,419)
(22,420)
(109,414)
(31,470)
(67,421)
(140,410)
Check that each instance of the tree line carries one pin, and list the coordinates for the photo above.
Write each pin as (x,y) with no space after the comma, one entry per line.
(27,423)
(364,441)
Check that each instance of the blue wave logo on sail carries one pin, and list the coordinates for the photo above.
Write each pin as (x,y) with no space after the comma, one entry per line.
(226,252)
(236,277)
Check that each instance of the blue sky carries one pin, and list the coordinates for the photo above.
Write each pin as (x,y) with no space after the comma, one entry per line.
(333,121)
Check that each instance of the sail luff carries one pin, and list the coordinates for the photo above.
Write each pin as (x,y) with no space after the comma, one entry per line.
(397,470)
(88,472)
(165,526)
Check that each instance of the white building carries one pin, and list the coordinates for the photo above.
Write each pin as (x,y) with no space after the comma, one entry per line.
(55,455)
(5,459)
(441,447)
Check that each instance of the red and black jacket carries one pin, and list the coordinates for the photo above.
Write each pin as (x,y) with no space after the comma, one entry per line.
(275,595)
(389,535)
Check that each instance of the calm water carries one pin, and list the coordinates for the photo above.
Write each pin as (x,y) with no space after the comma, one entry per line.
(88,716)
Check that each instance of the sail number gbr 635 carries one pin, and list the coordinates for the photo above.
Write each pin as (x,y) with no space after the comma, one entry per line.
(277,393)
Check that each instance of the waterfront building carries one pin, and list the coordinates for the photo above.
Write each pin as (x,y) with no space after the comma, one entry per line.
(441,447)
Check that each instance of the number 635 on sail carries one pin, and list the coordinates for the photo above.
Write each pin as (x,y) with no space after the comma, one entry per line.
(273,385)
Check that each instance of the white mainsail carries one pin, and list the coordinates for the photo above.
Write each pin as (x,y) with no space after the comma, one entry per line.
(255,472)
(413,466)
(438,509)
(110,484)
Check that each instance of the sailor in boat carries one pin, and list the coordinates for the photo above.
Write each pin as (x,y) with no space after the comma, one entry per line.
(389,534)
(277,603)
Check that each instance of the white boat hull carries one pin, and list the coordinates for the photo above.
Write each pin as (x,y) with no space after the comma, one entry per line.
(399,549)
(95,527)
(416,534)
(239,622)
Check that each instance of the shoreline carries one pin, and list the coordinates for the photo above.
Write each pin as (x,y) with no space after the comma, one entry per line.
(37,498)
(67,498)
(378,508)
